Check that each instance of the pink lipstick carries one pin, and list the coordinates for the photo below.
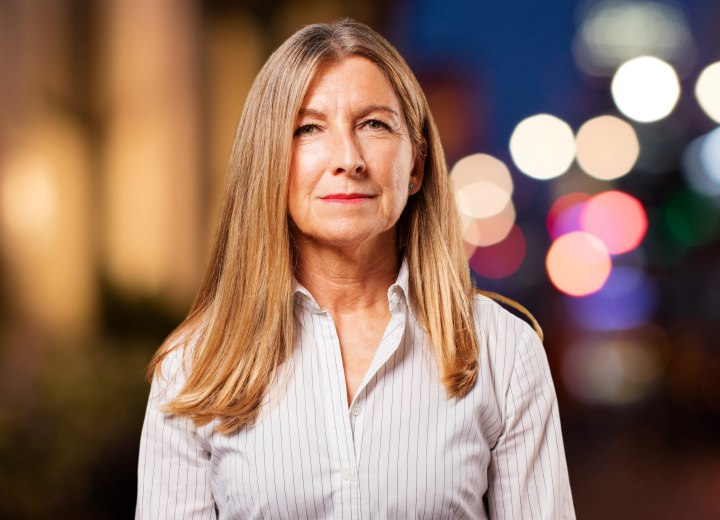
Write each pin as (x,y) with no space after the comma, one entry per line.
(347,198)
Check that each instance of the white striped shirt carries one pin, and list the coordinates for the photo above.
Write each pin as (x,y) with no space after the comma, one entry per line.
(401,450)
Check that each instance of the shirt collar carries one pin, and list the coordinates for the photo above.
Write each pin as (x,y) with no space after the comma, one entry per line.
(400,289)
(397,291)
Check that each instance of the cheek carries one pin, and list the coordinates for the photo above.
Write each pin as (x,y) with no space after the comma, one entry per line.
(401,170)
(304,176)
(305,167)
(298,177)
(294,188)
(398,189)
(398,183)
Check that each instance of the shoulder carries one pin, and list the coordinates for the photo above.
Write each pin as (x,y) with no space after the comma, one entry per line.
(176,364)
(504,338)
(493,321)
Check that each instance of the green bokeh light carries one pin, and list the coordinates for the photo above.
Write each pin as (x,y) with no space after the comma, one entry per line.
(691,219)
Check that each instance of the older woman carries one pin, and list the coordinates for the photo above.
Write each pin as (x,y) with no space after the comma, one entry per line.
(337,362)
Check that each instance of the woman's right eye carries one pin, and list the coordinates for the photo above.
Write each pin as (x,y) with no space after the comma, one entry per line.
(305,130)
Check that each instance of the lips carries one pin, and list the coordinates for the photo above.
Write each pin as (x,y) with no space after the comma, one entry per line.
(347,197)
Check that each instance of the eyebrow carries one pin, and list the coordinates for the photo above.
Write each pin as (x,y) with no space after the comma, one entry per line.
(361,113)
(377,108)
(310,112)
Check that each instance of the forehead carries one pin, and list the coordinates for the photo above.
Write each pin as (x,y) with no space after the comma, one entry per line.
(354,80)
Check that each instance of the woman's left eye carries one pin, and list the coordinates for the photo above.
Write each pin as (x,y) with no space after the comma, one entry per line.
(375,124)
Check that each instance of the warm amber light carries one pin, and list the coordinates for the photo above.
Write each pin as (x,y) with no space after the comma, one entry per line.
(46,227)
(29,199)
(483,185)
(607,147)
(151,190)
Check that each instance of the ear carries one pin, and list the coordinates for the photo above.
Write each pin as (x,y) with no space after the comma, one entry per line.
(418,171)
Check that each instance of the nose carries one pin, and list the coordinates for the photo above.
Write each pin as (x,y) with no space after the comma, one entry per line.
(346,155)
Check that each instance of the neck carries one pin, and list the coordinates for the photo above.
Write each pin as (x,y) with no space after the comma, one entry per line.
(345,280)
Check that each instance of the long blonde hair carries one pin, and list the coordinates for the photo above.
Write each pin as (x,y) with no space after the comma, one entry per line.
(243,314)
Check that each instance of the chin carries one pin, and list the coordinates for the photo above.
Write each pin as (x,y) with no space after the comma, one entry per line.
(349,237)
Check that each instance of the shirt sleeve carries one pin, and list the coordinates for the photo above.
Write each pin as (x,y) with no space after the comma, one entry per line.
(528,475)
(173,476)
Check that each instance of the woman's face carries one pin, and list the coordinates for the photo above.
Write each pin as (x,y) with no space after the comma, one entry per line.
(352,158)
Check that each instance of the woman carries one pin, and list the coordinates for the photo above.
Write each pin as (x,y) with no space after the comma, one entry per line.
(336,362)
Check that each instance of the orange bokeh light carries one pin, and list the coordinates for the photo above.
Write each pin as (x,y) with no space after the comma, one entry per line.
(616,218)
(578,263)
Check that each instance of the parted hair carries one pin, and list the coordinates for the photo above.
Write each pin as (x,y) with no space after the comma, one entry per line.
(243,314)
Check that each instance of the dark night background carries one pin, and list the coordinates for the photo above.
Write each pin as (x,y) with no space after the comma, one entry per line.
(116,120)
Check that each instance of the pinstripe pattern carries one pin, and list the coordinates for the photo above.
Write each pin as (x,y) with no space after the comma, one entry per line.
(402,450)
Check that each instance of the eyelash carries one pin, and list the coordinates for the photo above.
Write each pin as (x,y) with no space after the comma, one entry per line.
(306,129)
(383,125)
(303,130)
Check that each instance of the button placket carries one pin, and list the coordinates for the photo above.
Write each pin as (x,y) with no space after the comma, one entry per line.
(342,421)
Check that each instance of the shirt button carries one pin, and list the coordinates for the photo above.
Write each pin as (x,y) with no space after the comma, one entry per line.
(345,473)
(355,409)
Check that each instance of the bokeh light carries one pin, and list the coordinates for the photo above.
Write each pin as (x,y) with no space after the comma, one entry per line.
(578,263)
(491,230)
(691,219)
(481,167)
(613,372)
(543,146)
(616,218)
(663,252)
(482,199)
(707,91)
(46,228)
(483,185)
(29,199)
(565,213)
(710,155)
(502,259)
(107,217)
(607,147)
(697,172)
(614,31)
(627,300)
(645,89)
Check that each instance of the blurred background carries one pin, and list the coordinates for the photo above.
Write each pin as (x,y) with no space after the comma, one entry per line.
(584,143)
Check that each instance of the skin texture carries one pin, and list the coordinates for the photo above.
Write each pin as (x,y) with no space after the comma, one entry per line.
(352,163)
